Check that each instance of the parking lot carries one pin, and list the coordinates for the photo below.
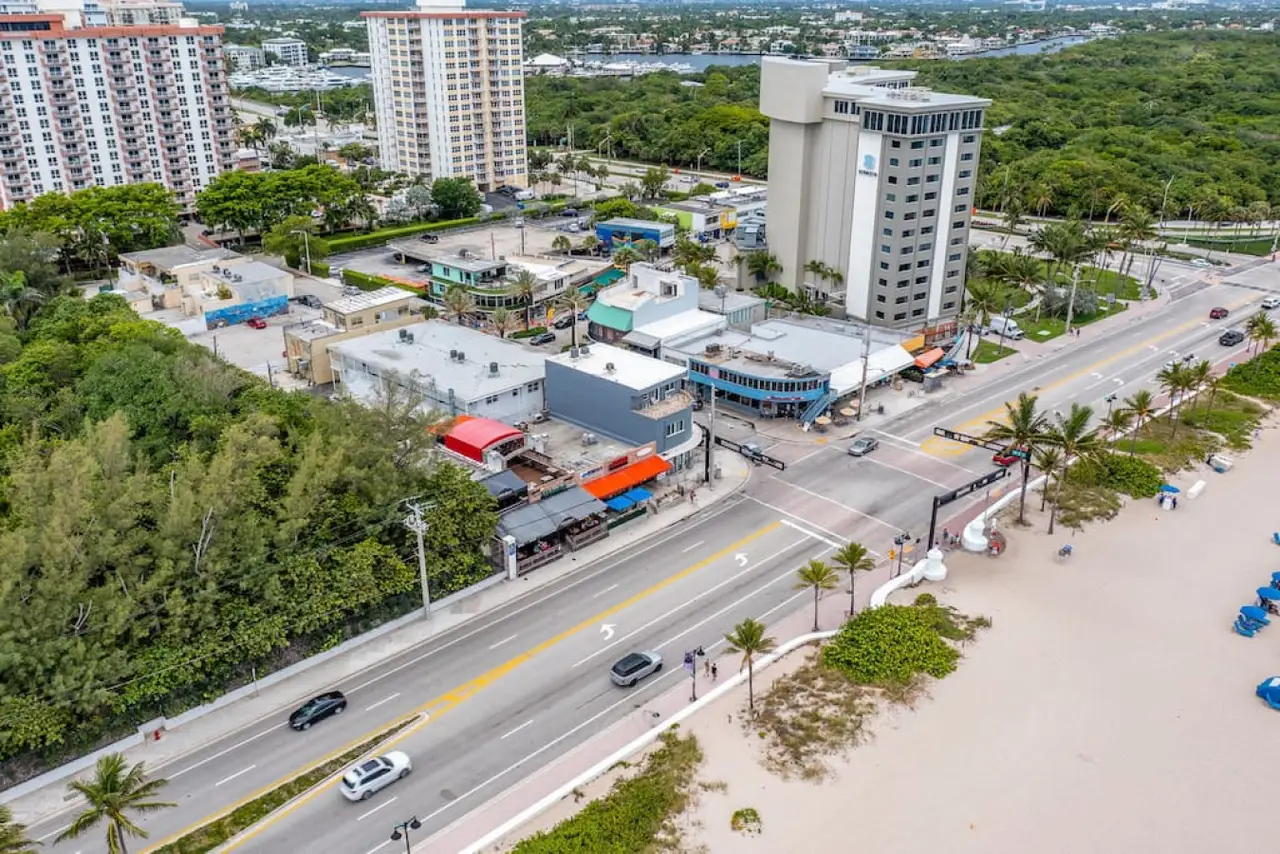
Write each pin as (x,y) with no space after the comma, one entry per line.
(259,351)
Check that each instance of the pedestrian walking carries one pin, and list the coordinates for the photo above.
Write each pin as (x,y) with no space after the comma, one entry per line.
(715,671)
(706,668)
(946,537)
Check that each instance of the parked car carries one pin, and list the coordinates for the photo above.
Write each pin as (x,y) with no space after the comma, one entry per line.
(1271,302)
(1201,262)
(1231,338)
(317,709)
(723,185)
(257,323)
(863,445)
(1217,313)
(1006,458)
(633,667)
(564,321)
(428,237)
(309,300)
(569,212)
(373,775)
(542,338)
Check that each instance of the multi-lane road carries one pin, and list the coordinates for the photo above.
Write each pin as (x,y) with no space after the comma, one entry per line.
(522,685)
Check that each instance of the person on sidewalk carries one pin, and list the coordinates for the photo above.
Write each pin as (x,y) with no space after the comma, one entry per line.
(715,671)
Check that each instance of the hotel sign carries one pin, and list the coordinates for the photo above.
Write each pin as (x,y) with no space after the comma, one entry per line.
(869,166)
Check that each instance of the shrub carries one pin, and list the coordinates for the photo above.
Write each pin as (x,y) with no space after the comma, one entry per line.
(320,269)
(925,600)
(889,646)
(365,281)
(1132,476)
(383,235)
(745,820)
(1259,377)
(528,333)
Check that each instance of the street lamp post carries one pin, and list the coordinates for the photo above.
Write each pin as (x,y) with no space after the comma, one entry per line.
(306,246)
(901,542)
(698,163)
(691,664)
(402,830)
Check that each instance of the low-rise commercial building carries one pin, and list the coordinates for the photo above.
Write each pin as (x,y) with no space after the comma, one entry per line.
(740,310)
(644,295)
(717,215)
(306,345)
(624,231)
(218,284)
(489,281)
(453,369)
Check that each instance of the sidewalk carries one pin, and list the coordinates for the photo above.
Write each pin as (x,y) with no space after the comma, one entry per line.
(45,796)
(833,608)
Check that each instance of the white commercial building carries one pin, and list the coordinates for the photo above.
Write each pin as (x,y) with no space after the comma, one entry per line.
(874,178)
(288,50)
(457,370)
(86,100)
(448,90)
(244,57)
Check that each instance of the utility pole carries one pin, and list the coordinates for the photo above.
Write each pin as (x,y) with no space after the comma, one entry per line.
(698,165)
(416,523)
(1071,300)
(713,374)
(739,158)
(866,360)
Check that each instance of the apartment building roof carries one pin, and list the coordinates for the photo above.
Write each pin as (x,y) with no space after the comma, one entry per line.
(369,299)
(168,257)
(623,367)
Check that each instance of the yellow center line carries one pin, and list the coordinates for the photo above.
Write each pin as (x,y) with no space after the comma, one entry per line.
(939,447)
(450,700)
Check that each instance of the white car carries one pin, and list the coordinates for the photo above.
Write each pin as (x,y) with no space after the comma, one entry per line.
(372,775)
(1271,302)
(1200,262)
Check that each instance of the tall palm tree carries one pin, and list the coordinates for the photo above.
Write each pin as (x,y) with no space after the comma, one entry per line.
(1048,461)
(1214,385)
(853,558)
(762,265)
(986,298)
(575,302)
(1197,375)
(1116,422)
(1013,218)
(749,639)
(1137,226)
(649,249)
(1142,406)
(459,302)
(1071,435)
(1173,380)
(1261,331)
(13,836)
(562,243)
(524,287)
(1018,270)
(820,577)
(115,791)
(590,243)
(501,319)
(1023,427)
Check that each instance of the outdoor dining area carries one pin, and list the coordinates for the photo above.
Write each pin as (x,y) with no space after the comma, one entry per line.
(544,530)
(633,501)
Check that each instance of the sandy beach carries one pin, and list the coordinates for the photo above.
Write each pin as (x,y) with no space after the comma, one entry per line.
(1109,708)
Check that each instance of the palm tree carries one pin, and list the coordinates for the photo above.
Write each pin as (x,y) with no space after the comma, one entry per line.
(1012,219)
(1071,435)
(114,791)
(19,300)
(624,257)
(459,302)
(1197,375)
(1213,384)
(501,319)
(649,249)
(1136,227)
(820,577)
(1116,422)
(1262,331)
(1142,406)
(762,265)
(1018,270)
(1172,380)
(1023,427)
(1046,460)
(13,836)
(749,639)
(590,244)
(524,287)
(562,244)
(853,558)
(575,302)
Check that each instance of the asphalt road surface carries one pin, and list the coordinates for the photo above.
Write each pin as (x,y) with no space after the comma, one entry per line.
(522,685)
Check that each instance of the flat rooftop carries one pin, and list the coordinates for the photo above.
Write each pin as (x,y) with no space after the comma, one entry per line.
(250,272)
(623,367)
(430,355)
(731,301)
(774,347)
(673,327)
(168,257)
(564,445)
(470,263)
(311,330)
(368,299)
(628,222)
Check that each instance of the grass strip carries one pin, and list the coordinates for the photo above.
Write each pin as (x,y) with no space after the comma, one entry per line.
(222,830)
(638,815)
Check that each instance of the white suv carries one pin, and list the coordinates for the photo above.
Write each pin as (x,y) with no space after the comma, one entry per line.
(1271,302)
(369,776)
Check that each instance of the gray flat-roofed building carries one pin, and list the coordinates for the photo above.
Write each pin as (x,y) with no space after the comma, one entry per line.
(741,310)
(455,369)
(874,178)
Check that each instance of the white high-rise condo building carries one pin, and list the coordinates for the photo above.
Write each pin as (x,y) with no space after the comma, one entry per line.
(87,100)
(288,50)
(874,178)
(448,91)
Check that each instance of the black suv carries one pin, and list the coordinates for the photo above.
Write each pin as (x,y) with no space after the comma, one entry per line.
(542,338)
(317,709)
(1231,338)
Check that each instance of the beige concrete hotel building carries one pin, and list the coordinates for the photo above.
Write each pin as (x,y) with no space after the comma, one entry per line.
(110,93)
(448,91)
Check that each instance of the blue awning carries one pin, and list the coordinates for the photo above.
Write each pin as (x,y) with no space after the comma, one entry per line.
(619,504)
(638,495)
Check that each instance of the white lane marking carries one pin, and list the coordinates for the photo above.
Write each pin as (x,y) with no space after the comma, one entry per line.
(224,752)
(379,846)
(604,591)
(517,729)
(853,510)
(607,566)
(692,547)
(380,702)
(52,833)
(901,439)
(629,699)
(808,523)
(908,473)
(809,533)
(388,802)
(235,775)
(812,453)
(685,604)
(504,640)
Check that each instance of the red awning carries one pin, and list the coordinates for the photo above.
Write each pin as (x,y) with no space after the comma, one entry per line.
(471,438)
(622,480)
(926,359)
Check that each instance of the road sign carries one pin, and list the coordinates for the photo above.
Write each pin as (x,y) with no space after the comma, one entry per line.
(979,442)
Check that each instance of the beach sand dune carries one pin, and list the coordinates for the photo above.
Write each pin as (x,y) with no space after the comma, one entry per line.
(1109,708)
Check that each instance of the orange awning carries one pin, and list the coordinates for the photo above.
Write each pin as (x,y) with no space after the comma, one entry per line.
(622,480)
(924,360)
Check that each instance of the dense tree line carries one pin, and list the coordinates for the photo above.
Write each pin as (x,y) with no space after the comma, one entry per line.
(168,522)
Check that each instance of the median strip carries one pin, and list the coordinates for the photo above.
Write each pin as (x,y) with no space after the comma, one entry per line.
(223,829)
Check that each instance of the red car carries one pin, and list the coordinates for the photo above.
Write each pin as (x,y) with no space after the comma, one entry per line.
(1005,457)
(1217,313)
(257,323)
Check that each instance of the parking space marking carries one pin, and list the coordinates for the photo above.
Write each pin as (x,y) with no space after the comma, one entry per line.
(894,438)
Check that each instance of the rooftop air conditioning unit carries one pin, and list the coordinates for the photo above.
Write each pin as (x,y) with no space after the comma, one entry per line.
(453,354)
(404,333)
(583,350)
(493,369)
(589,439)
(462,357)
(408,339)
(574,352)
(239,278)
(609,368)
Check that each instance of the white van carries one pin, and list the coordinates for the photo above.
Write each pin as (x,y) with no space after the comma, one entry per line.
(1006,326)
(524,196)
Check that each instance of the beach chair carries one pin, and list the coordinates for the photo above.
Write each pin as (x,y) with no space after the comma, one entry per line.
(1275,537)
(1269,691)
(1275,580)
(1245,628)
(1255,614)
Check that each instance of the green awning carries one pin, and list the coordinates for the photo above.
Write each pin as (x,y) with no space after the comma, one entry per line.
(609,316)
